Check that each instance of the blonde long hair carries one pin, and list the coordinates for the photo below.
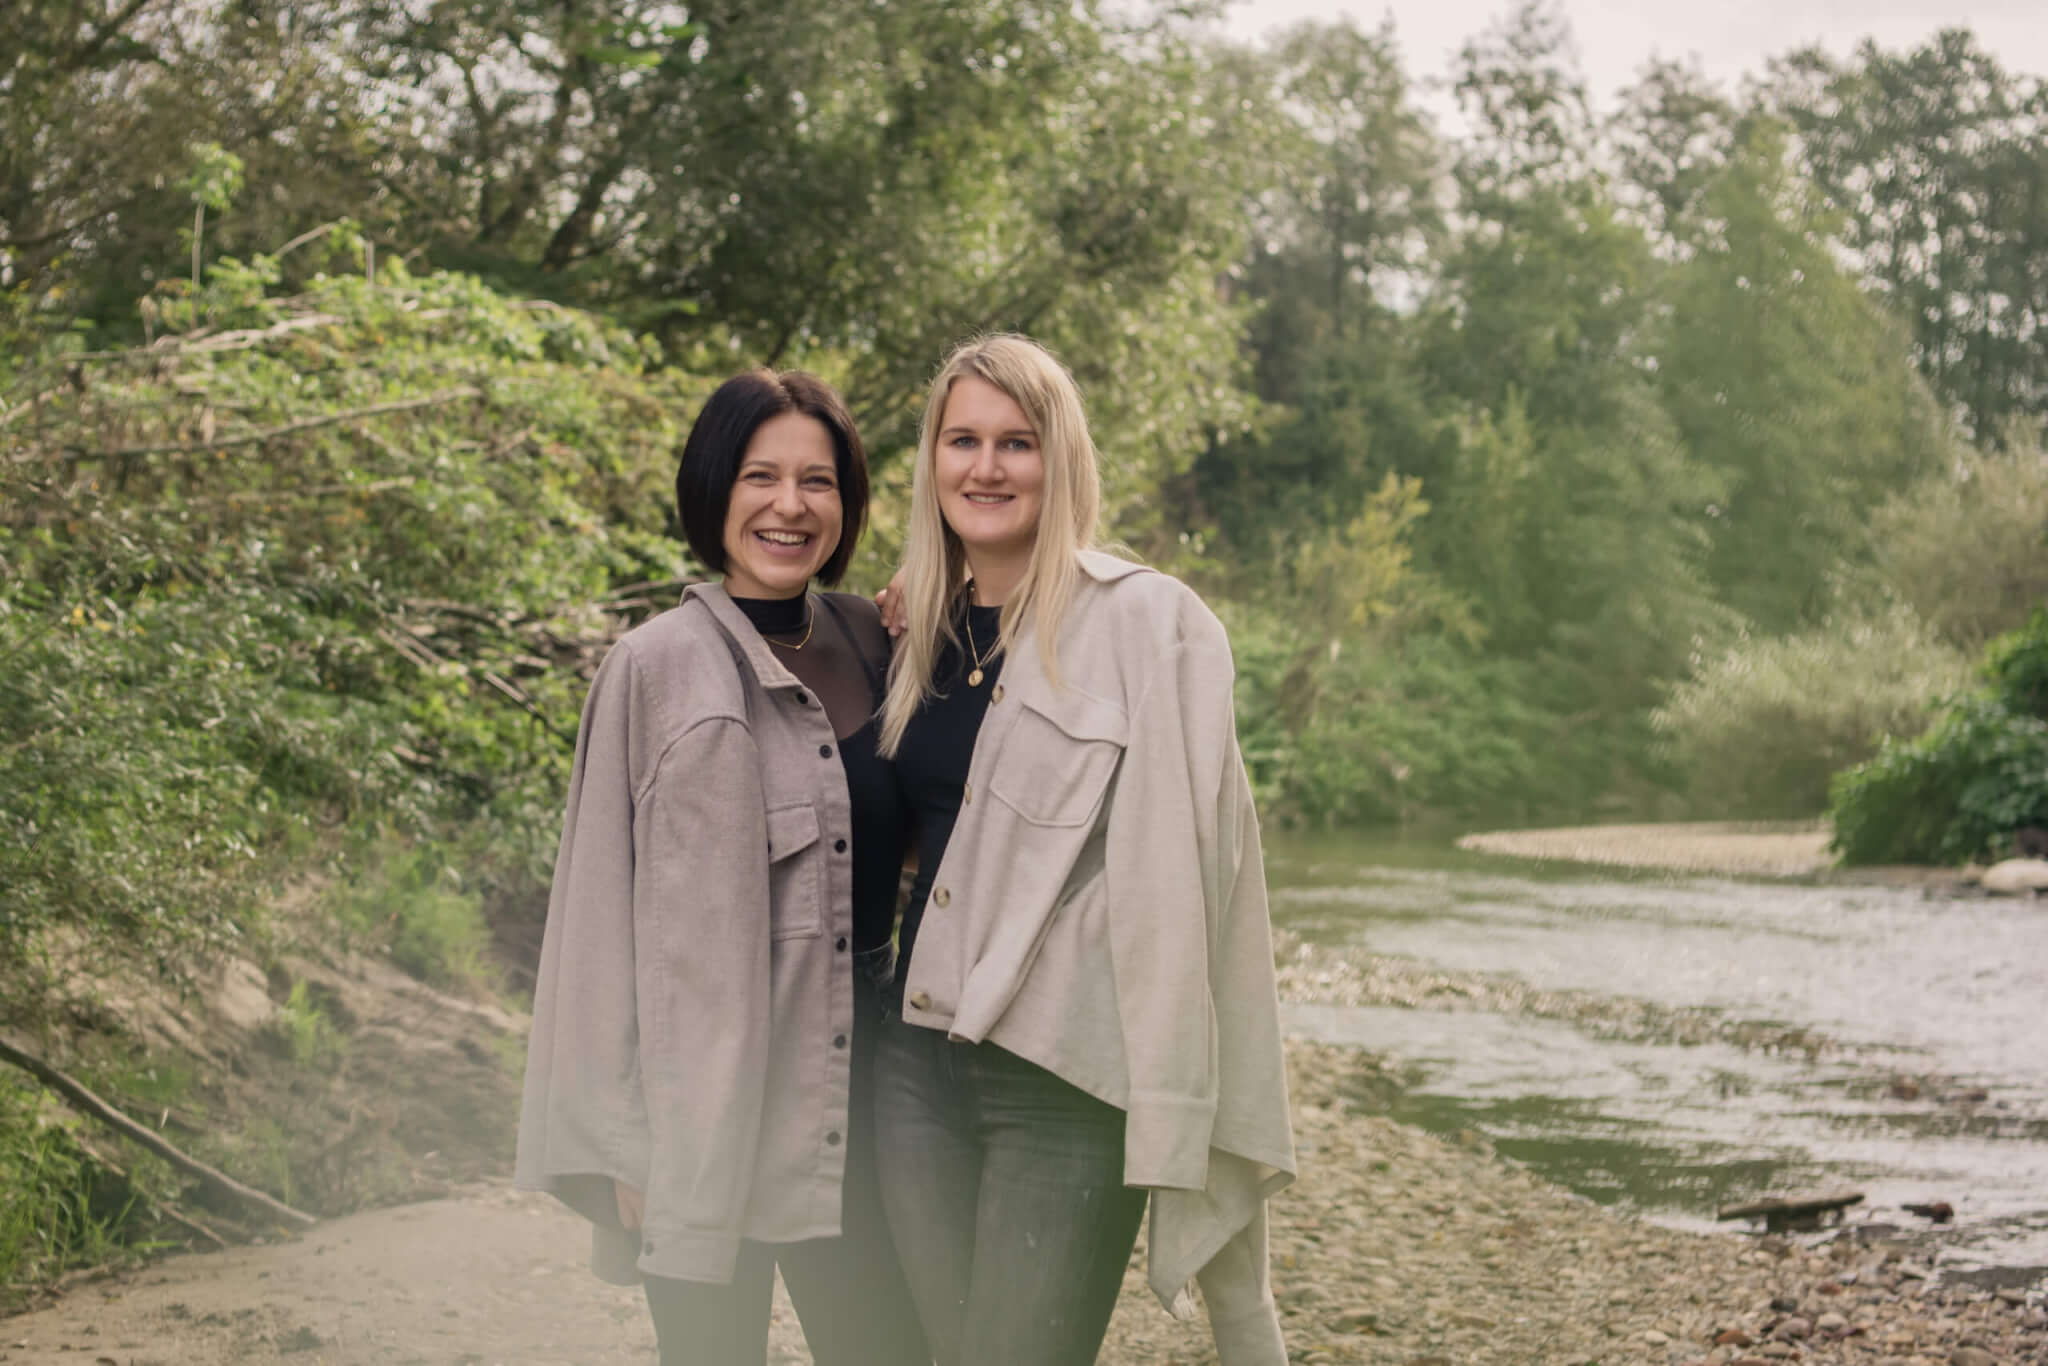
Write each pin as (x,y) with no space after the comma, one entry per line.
(935,562)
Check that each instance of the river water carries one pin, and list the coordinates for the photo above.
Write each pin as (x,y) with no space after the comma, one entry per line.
(1880,1039)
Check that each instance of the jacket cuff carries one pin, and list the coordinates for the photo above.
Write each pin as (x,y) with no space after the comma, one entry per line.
(689,1255)
(1166,1140)
(1251,1338)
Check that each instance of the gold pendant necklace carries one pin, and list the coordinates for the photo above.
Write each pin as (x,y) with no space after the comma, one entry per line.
(810,620)
(975,675)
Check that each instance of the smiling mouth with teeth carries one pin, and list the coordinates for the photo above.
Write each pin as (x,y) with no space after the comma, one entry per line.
(783,537)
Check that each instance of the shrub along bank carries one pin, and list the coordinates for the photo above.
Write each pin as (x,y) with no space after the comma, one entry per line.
(1979,773)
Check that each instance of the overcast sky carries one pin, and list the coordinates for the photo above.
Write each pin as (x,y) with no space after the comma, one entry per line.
(1728,38)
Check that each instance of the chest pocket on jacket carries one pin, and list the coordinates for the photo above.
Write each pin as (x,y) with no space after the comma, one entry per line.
(1058,758)
(796,892)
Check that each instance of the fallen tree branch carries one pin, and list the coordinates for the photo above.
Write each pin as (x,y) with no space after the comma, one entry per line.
(163,1207)
(84,1100)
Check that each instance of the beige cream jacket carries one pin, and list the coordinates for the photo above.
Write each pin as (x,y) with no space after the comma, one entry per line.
(1101,911)
(695,996)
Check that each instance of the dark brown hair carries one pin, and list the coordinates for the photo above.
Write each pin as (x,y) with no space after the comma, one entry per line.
(718,442)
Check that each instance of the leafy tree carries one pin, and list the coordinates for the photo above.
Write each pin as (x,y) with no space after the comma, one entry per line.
(1789,382)
(1938,157)
(1343,248)
(1671,137)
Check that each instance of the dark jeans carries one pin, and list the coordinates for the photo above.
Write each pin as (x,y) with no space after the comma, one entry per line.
(1004,1185)
(849,1291)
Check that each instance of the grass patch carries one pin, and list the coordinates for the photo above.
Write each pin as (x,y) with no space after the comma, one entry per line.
(59,1208)
(413,905)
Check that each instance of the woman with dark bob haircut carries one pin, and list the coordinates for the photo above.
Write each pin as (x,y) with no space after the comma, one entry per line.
(721,917)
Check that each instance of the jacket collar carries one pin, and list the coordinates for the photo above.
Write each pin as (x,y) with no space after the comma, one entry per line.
(1023,669)
(769,671)
(1106,568)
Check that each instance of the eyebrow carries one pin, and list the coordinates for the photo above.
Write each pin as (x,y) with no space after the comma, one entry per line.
(816,467)
(976,431)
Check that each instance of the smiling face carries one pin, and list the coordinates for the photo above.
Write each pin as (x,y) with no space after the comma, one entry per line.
(783,520)
(989,470)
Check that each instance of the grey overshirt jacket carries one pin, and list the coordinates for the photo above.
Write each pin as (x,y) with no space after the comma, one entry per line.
(1101,910)
(695,995)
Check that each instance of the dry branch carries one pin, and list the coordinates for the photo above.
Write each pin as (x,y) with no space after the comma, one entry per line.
(203,341)
(84,1100)
(268,434)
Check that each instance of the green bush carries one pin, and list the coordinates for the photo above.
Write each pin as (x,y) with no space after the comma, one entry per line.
(2016,667)
(285,592)
(1761,730)
(1958,791)
(1950,796)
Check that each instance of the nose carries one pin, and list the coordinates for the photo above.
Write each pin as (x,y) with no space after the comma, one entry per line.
(789,499)
(986,468)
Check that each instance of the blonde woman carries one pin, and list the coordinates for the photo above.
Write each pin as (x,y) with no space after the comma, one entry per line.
(1086,1016)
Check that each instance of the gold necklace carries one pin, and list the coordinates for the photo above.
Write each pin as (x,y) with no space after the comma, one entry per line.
(975,676)
(810,620)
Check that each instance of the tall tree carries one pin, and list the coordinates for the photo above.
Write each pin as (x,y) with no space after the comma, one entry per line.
(1342,252)
(1788,381)
(1567,507)
(1671,136)
(1938,158)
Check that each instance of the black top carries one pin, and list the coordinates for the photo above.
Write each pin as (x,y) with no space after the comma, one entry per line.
(931,763)
(842,660)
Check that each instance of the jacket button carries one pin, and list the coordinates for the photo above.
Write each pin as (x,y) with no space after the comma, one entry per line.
(838,846)
(824,751)
(840,943)
(942,898)
(920,1001)
(832,1139)
(803,699)
(839,1041)
(995,694)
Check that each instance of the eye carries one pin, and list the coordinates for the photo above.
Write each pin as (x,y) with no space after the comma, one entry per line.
(821,481)
(1018,443)
(757,475)
(962,441)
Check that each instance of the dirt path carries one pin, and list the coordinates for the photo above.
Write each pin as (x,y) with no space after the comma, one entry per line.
(1395,1249)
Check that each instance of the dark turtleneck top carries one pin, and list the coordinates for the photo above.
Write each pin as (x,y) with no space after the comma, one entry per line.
(843,662)
(931,763)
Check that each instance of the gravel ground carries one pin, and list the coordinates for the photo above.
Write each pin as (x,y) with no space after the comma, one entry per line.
(1395,1248)
(1773,850)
